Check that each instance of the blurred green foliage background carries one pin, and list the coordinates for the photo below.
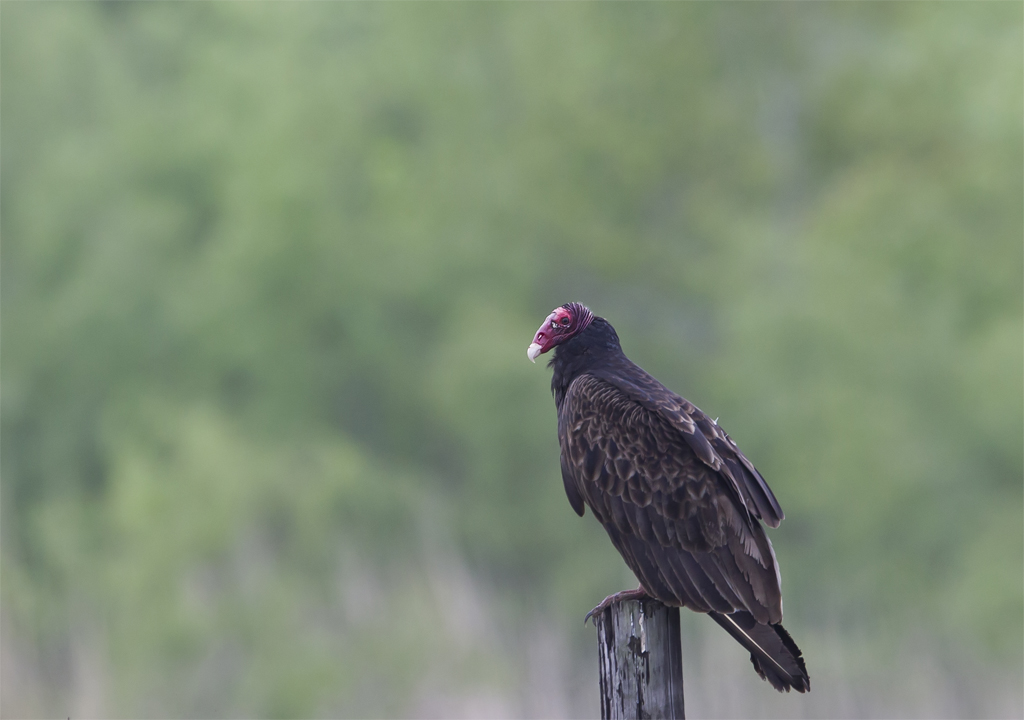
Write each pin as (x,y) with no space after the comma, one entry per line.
(271,443)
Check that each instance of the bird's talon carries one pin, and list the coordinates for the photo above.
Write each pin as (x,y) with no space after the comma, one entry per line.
(637,594)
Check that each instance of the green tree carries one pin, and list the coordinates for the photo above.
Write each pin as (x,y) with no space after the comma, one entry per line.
(271,443)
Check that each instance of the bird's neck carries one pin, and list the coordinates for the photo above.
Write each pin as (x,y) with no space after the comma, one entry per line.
(566,366)
(595,347)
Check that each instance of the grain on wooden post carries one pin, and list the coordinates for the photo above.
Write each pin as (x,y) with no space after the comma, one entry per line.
(641,661)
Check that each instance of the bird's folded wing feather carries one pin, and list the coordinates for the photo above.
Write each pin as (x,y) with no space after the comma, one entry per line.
(704,436)
(681,524)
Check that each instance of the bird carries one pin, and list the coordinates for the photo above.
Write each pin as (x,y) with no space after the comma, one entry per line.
(679,501)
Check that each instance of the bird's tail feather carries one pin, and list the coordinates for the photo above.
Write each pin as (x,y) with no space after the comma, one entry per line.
(775,656)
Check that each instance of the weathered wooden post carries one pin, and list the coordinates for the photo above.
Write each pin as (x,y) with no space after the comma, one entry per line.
(641,661)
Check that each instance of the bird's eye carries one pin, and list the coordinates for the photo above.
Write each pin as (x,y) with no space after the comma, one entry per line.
(564,321)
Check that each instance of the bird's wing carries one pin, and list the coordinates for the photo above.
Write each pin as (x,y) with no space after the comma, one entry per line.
(681,524)
(704,436)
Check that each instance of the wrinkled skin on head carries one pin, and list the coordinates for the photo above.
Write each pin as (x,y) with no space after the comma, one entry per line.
(563,323)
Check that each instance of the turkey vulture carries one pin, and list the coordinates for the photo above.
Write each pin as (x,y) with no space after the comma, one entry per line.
(680,502)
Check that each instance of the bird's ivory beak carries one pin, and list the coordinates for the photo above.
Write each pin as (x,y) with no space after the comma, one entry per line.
(533,351)
(542,340)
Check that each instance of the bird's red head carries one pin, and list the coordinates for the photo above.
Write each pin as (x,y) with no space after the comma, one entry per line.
(559,326)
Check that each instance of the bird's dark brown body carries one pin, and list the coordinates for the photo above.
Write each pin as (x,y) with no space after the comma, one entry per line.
(680,502)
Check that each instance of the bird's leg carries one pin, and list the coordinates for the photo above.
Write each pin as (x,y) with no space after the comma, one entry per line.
(638,594)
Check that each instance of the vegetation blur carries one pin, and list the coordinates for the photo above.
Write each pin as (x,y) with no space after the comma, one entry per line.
(271,442)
